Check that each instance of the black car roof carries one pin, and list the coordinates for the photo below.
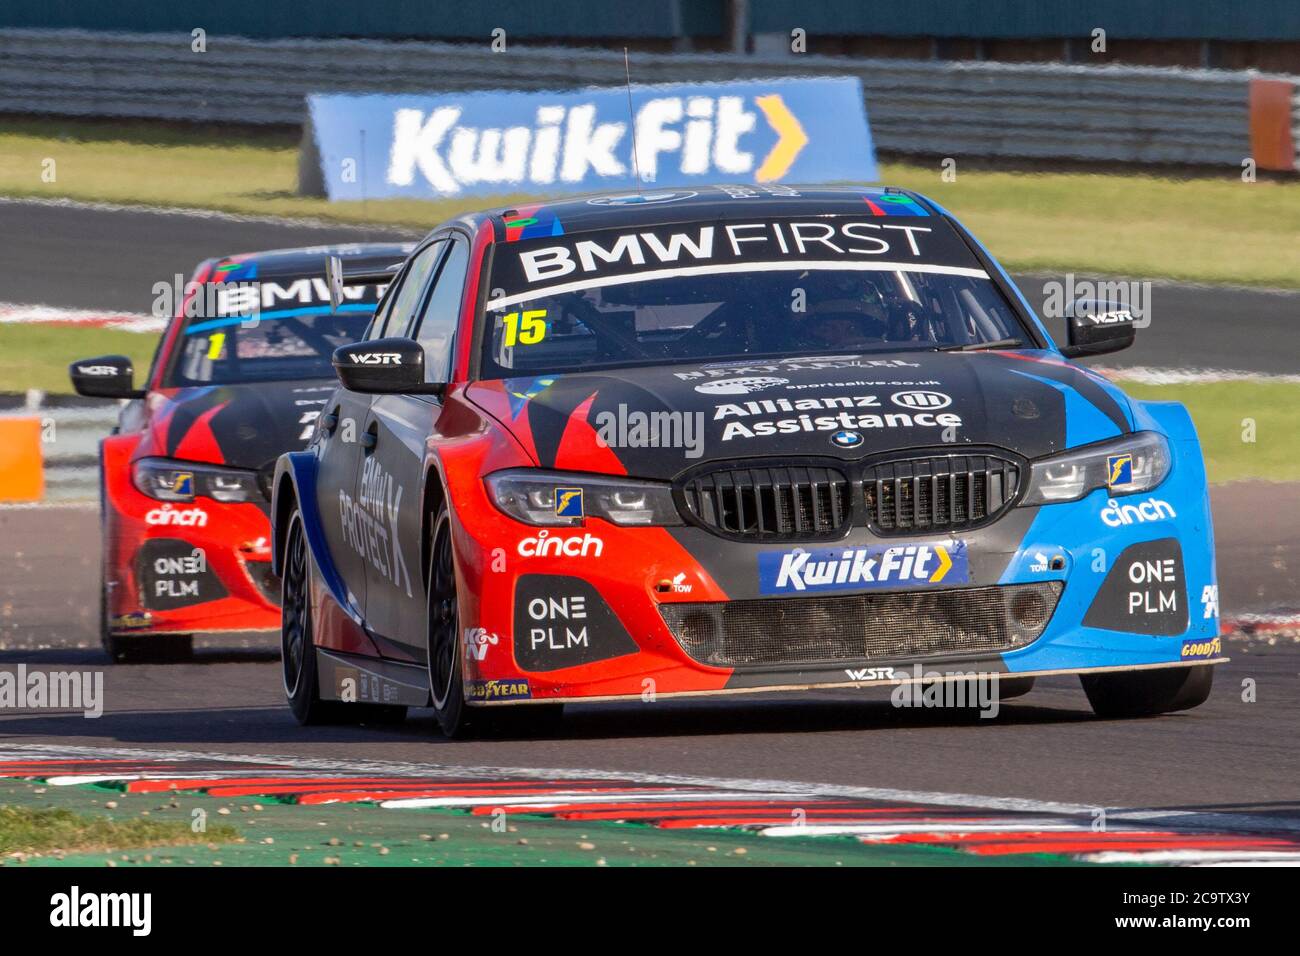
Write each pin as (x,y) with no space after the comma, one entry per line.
(651,206)
(310,260)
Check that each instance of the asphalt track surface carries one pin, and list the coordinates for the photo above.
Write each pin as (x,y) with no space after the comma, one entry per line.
(1230,755)
(1226,756)
(80,257)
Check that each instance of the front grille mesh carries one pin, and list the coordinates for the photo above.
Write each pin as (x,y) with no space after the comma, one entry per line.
(937,494)
(863,627)
(771,502)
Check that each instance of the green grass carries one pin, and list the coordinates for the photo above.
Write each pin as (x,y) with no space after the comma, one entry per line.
(1219,410)
(37,356)
(46,829)
(1207,229)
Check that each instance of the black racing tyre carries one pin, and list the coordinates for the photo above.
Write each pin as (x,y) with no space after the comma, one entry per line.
(142,648)
(297,650)
(1147,693)
(445,666)
(442,630)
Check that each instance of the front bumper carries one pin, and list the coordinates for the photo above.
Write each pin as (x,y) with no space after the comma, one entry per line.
(184,568)
(603,612)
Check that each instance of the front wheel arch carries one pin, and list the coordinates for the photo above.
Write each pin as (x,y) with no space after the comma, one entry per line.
(432,498)
(285,501)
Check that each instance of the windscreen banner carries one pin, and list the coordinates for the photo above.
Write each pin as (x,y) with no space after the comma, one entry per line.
(756,133)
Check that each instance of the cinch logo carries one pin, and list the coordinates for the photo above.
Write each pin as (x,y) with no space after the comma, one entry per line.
(1116,515)
(547,545)
(1194,650)
(167,516)
(856,569)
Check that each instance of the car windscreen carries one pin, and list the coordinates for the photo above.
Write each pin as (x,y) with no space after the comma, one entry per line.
(778,288)
(271,329)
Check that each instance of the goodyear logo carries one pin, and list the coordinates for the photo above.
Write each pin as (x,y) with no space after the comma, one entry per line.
(1119,470)
(1200,650)
(568,503)
(755,133)
(498,690)
(856,569)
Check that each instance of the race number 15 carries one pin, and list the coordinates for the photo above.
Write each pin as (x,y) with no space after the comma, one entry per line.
(527,328)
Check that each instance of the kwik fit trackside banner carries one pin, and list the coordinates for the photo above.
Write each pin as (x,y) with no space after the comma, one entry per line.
(414,146)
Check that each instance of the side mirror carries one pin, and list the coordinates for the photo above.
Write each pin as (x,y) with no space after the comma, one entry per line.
(382,366)
(1097,327)
(105,376)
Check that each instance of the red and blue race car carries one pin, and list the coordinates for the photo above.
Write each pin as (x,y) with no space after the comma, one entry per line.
(684,443)
(239,377)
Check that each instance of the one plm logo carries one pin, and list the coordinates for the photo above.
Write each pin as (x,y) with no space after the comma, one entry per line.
(867,568)
(740,386)
(1119,470)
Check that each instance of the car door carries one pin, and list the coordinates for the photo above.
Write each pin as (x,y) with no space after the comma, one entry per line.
(402,425)
(354,532)
(338,455)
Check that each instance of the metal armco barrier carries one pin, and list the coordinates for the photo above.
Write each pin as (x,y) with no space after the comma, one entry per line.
(1045,111)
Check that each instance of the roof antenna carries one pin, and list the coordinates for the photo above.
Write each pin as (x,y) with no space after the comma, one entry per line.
(631,116)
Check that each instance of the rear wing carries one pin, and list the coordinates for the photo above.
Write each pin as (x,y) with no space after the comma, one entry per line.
(336,278)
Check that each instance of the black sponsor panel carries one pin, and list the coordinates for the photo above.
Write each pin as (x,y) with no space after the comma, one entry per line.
(563,622)
(1144,592)
(626,252)
(174,573)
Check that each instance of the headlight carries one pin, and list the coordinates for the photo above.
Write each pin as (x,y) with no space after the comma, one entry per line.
(1126,466)
(564,498)
(169,480)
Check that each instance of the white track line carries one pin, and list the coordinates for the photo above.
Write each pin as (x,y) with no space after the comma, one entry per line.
(1223,822)
(560,798)
(1194,857)
(884,831)
(1178,376)
(21,313)
(210,214)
